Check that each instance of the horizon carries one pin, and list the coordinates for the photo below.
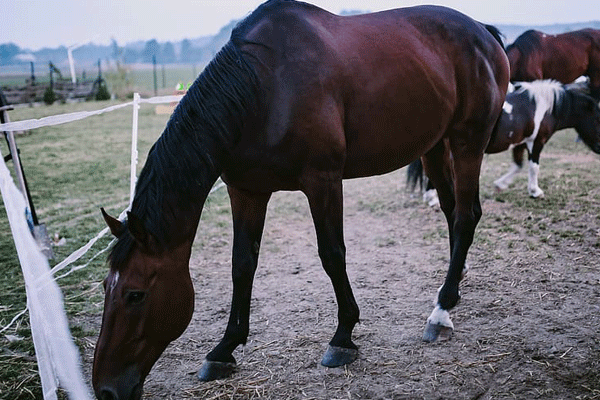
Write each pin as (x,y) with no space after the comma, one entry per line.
(130,21)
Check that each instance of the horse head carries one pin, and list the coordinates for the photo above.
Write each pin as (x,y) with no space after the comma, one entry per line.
(587,119)
(149,301)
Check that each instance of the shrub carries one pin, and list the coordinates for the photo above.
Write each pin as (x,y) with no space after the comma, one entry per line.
(102,93)
(49,96)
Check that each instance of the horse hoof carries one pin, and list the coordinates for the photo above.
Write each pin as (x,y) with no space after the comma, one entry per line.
(434,332)
(338,356)
(212,370)
(537,194)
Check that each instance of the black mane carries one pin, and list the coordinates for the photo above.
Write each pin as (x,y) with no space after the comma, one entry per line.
(187,159)
(526,43)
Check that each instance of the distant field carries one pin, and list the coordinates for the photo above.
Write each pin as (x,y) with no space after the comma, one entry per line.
(122,82)
(141,78)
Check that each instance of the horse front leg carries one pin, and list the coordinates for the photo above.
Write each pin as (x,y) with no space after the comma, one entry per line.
(534,171)
(507,179)
(248,210)
(325,200)
(462,219)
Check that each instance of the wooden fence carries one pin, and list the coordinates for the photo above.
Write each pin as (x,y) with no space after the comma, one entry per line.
(34,93)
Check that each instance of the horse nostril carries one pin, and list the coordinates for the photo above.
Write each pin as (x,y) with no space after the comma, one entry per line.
(107,394)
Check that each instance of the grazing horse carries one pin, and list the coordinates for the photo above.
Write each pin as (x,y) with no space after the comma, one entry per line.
(298,99)
(530,116)
(565,57)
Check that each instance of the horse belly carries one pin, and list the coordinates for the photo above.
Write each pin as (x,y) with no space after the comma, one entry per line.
(390,134)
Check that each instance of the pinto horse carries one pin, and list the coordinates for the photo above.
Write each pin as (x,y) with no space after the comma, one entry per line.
(530,116)
(535,55)
(298,99)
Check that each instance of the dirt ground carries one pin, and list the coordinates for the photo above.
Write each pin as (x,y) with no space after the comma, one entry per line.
(527,326)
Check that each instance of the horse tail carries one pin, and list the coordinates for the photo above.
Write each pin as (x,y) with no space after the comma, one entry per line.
(496,34)
(415,175)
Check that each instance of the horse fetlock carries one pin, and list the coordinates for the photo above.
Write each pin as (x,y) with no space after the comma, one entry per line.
(501,184)
(439,316)
(536,192)
(447,299)
(439,326)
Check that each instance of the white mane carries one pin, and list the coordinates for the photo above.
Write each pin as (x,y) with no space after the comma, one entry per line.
(546,93)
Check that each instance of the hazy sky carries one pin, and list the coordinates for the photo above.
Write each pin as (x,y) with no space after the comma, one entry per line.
(34,24)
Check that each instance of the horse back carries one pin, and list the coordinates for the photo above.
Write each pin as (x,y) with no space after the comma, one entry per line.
(564,57)
(368,94)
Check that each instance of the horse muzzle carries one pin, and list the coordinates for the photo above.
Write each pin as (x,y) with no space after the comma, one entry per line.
(128,386)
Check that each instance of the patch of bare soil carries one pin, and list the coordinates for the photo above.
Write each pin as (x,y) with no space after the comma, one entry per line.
(527,326)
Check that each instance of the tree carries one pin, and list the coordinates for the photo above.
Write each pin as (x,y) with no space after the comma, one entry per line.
(186,50)
(168,53)
(189,53)
(130,56)
(151,49)
(7,52)
(117,51)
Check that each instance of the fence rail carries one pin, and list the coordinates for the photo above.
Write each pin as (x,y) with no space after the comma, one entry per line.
(33,93)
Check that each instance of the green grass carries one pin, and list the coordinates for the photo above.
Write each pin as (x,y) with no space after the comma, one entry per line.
(72,170)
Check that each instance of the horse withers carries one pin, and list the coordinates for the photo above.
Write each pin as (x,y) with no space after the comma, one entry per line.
(532,114)
(535,55)
(298,99)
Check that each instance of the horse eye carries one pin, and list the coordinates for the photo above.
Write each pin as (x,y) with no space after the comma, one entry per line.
(136,297)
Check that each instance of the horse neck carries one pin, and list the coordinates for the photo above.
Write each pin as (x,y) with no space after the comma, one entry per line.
(564,113)
(190,154)
(170,194)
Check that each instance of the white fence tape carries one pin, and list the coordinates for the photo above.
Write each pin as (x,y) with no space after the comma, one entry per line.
(162,99)
(134,150)
(76,116)
(58,358)
(59,363)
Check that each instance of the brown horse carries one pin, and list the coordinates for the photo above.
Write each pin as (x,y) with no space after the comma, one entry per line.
(535,55)
(298,99)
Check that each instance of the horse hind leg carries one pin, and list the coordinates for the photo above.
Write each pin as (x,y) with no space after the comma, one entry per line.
(249,212)
(325,200)
(437,164)
(459,199)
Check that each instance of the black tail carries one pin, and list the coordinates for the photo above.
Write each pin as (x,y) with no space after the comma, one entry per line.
(415,175)
(496,34)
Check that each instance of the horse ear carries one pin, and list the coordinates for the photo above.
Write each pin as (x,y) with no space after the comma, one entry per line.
(138,231)
(115,226)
